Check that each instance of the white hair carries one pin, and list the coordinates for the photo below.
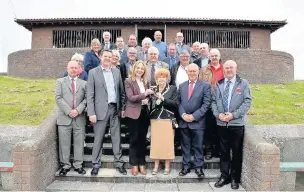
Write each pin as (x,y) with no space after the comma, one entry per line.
(146,40)
(77,57)
(104,33)
(153,49)
(216,51)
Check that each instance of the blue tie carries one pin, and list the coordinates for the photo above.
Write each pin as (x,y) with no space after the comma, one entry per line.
(226,95)
(179,48)
(172,61)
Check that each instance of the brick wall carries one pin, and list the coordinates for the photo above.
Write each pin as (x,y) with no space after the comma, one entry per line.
(261,162)
(42,37)
(35,160)
(258,66)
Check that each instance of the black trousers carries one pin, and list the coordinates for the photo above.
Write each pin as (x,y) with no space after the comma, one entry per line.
(138,129)
(231,138)
(211,139)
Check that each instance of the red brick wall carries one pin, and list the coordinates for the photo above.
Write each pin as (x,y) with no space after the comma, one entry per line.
(42,37)
(256,65)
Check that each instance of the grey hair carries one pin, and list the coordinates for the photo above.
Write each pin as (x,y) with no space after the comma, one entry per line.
(153,49)
(146,40)
(77,57)
(132,49)
(184,52)
(104,33)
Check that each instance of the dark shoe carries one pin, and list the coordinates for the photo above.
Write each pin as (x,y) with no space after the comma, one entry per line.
(122,170)
(221,182)
(94,171)
(234,184)
(63,172)
(208,156)
(200,173)
(81,171)
(184,172)
(176,145)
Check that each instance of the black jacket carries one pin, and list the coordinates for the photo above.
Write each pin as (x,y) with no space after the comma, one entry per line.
(168,106)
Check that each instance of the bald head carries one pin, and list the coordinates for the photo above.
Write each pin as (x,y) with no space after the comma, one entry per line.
(192,71)
(229,69)
(72,68)
(158,36)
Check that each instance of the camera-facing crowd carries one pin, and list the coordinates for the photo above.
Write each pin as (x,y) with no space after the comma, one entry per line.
(173,94)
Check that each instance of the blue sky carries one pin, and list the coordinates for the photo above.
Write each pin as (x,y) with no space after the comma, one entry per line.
(288,39)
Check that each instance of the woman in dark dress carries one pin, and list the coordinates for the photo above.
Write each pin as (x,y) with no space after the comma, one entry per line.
(164,106)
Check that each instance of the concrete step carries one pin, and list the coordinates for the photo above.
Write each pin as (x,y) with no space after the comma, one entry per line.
(112,175)
(123,128)
(107,161)
(107,138)
(107,149)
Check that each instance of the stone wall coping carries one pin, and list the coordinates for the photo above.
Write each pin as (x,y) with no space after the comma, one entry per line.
(261,162)
(35,159)
(292,166)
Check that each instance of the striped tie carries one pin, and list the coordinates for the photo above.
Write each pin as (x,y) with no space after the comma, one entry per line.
(226,95)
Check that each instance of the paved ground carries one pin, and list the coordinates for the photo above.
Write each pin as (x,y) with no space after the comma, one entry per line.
(136,187)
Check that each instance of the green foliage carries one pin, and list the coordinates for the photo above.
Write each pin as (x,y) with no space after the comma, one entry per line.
(29,102)
(25,101)
(277,104)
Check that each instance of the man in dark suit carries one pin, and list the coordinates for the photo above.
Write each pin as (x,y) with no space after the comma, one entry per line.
(194,101)
(172,58)
(106,100)
(106,41)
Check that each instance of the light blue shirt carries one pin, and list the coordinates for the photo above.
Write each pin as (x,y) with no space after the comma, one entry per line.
(204,61)
(109,79)
(230,88)
(162,49)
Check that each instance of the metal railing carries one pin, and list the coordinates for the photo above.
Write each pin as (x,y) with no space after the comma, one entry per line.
(80,38)
(218,38)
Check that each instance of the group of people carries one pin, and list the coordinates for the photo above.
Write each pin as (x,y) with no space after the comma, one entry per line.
(201,98)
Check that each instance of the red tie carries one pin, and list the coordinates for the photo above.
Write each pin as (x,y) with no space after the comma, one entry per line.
(190,89)
(73,92)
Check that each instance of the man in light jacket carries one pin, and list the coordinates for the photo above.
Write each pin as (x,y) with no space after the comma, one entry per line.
(231,101)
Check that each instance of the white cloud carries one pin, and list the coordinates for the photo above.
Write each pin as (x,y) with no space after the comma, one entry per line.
(286,39)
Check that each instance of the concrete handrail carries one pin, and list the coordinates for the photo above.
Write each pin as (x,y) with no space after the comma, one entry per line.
(261,162)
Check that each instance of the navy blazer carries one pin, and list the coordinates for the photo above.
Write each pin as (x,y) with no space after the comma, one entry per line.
(197,105)
(90,61)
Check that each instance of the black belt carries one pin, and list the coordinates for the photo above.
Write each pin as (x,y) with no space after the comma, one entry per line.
(115,104)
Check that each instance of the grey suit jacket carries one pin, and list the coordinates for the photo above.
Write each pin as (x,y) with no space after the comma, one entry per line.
(64,99)
(97,95)
(160,64)
(140,56)
(240,102)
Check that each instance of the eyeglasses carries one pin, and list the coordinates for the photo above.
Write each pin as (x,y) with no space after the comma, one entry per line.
(79,61)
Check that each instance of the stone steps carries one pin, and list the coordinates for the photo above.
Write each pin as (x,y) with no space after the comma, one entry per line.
(113,176)
(107,161)
(107,149)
